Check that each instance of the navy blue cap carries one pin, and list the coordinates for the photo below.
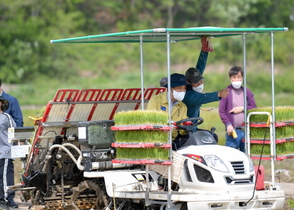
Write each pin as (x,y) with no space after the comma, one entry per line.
(177,80)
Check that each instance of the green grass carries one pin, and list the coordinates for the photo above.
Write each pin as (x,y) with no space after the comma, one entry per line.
(281,132)
(140,117)
(291,203)
(141,136)
(282,113)
(142,153)
(281,149)
(150,136)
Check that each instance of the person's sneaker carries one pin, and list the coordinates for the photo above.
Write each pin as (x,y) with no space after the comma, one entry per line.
(12,204)
(3,206)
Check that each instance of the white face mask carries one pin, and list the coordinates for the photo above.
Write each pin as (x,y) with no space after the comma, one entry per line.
(236,84)
(179,96)
(199,89)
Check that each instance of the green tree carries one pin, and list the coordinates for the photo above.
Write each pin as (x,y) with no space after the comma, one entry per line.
(27,28)
(268,13)
(28,25)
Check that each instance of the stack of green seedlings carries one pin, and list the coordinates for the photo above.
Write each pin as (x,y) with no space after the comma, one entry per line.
(283,114)
(141,117)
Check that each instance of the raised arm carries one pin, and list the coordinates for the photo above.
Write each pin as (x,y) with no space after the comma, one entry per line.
(202,59)
(201,63)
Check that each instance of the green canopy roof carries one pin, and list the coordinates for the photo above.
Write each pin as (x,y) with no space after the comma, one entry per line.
(160,34)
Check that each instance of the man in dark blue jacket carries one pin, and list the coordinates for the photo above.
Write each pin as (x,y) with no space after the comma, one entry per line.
(14,108)
(194,97)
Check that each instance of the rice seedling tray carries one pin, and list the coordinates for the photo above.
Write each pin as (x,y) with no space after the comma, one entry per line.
(282,151)
(140,145)
(268,157)
(140,127)
(154,153)
(277,124)
(142,161)
(267,141)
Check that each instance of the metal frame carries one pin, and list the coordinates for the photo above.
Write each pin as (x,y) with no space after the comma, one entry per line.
(272,140)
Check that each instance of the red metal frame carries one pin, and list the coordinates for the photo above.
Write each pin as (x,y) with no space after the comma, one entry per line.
(278,124)
(148,93)
(132,94)
(279,157)
(89,95)
(107,95)
(267,141)
(84,95)
(63,95)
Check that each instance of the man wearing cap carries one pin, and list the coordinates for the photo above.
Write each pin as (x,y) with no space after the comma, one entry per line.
(194,97)
(14,109)
(6,162)
(178,108)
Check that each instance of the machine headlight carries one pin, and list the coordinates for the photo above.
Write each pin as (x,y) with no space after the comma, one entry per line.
(216,163)
(196,157)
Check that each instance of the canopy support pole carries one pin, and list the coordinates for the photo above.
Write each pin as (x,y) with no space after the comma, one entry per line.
(273,145)
(142,72)
(245,94)
(169,203)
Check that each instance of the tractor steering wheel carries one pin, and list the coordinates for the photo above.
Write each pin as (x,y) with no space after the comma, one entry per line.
(199,121)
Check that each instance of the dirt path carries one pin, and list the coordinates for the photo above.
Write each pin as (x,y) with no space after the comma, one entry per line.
(289,193)
(289,189)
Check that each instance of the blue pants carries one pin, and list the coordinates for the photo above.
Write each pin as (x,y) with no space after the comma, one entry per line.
(237,142)
(6,178)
